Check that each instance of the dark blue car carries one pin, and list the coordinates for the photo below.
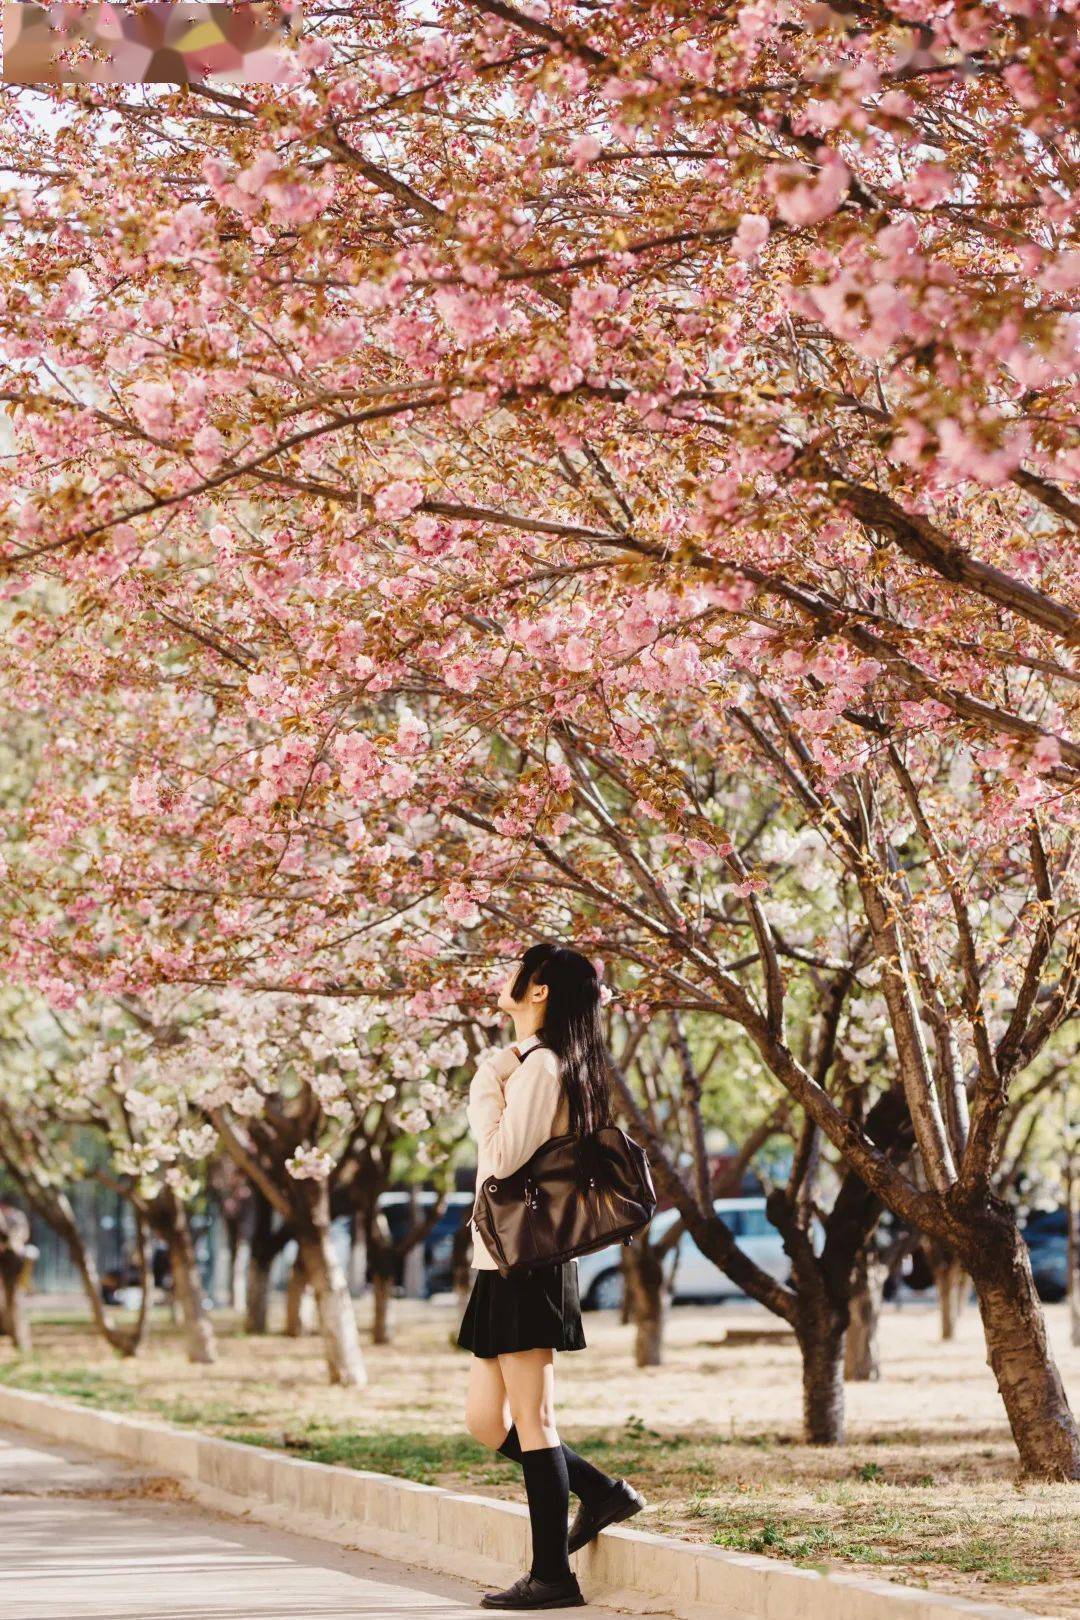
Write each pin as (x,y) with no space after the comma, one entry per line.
(1046,1235)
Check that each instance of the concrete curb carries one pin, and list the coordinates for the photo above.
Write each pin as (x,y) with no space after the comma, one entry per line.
(477,1537)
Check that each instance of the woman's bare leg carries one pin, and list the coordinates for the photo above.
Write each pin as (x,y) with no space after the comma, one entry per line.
(487,1410)
(529,1379)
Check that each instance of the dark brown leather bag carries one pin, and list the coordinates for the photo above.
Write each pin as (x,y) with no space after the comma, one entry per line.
(574,1195)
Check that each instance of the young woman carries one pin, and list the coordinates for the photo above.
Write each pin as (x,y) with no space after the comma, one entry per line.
(552,1080)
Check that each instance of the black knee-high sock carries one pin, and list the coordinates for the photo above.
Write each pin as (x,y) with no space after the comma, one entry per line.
(588,1483)
(548,1491)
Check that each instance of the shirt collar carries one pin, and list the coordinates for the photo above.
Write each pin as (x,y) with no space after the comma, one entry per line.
(528,1045)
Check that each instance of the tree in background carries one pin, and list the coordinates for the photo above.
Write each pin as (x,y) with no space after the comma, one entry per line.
(290,1085)
(669,1097)
(43,1157)
(387,532)
(17,1255)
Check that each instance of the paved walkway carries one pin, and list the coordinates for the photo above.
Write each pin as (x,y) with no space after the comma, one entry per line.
(86,1539)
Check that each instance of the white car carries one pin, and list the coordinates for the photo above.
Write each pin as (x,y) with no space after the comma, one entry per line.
(600,1280)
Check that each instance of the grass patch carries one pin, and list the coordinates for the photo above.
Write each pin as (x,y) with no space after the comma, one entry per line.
(86,1384)
(886,1539)
(95,1387)
(423,1458)
(793,1540)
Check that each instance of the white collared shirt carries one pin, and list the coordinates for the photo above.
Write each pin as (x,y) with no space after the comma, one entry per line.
(514,1108)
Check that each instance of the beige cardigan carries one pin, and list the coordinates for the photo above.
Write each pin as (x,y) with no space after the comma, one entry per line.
(514,1108)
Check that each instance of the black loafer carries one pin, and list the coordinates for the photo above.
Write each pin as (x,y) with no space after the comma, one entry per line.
(621,1503)
(529,1593)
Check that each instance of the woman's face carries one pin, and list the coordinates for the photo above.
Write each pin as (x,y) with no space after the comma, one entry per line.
(534,996)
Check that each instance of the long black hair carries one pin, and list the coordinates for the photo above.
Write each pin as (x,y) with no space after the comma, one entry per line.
(571,1028)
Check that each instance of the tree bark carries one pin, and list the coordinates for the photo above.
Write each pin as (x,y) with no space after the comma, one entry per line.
(644,1274)
(333,1303)
(821,1340)
(951,1281)
(1017,1350)
(862,1363)
(188,1289)
(257,1305)
(17,1255)
(265,1248)
(412,1275)
(382,1308)
(626,1304)
(357,1255)
(295,1294)
(239,1260)
(16,1269)
(239,1272)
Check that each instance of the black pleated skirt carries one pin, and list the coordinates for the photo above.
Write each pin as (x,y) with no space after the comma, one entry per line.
(529,1310)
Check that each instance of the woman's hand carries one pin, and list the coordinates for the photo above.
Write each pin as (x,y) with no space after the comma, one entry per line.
(502,1061)
(508,1121)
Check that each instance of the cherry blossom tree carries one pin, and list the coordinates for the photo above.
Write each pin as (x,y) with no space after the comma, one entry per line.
(428,479)
(75,1107)
(398,1139)
(291,1087)
(43,1158)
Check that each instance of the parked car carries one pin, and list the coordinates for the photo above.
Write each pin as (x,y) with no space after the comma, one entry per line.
(1048,1222)
(1046,1235)
(600,1280)
(439,1241)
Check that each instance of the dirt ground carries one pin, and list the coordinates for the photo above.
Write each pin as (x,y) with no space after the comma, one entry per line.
(925,1491)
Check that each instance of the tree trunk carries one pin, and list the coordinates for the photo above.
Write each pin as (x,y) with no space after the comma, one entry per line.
(15,1273)
(264,1250)
(382,1309)
(1027,1376)
(295,1295)
(188,1288)
(239,1265)
(357,1255)
(1072,1243)
(257,1305)
(127,1342)
(413,1277)
(821,1339)
(222,1247)
(239,1247)
(144,1253)
(861,1359)
(337,1318)
(952,1283)
(644,1274)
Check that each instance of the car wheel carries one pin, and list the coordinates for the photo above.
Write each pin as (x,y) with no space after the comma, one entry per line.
(606,1292)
